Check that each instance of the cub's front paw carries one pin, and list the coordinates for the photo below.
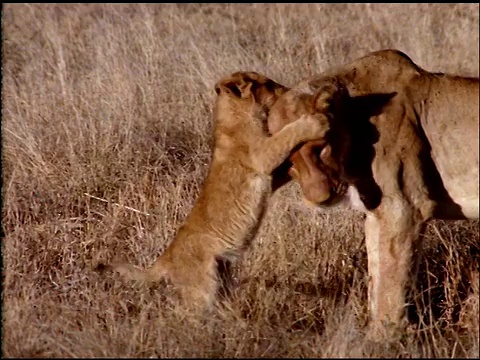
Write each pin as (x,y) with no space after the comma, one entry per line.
(316,125)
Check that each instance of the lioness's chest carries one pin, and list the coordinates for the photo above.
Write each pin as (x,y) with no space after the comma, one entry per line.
(352,200)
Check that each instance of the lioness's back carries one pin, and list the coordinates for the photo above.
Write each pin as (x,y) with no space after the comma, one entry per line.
(451,123)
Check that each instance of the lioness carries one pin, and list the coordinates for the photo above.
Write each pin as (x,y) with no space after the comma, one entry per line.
(230,207)
(402,147)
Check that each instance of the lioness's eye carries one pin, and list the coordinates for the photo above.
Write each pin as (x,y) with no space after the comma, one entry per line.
(317,150)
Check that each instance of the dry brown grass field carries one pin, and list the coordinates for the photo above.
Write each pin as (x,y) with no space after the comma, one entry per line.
(115,101)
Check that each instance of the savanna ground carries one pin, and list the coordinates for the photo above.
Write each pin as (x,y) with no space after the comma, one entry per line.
(115,101)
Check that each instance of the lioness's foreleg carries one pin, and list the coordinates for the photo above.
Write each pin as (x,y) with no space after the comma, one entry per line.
(272,151)
(391,233)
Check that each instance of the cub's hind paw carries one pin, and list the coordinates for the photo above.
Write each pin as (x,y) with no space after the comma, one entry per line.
(102,268)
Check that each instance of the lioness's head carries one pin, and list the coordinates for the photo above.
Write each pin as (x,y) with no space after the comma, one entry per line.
(313,166)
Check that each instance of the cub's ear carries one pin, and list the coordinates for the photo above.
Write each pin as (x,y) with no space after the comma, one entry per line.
(265,90)
(246,83)
(267,93)
(236,84)
(233,87)
(330,96)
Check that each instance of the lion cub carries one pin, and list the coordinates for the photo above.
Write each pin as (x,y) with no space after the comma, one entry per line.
(228,211)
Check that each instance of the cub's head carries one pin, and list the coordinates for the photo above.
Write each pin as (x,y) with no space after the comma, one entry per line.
(313,166)
(246,93)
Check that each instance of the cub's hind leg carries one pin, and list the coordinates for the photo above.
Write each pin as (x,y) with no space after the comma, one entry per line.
(197,283)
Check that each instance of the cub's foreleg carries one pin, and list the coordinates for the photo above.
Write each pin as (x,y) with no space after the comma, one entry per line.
(272,151)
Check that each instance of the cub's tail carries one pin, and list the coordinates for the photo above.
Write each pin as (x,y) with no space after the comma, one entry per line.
(129,272)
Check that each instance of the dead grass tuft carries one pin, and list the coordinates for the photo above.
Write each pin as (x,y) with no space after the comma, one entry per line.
(116,101)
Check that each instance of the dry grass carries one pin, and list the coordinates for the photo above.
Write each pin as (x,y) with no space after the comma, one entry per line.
(115,101)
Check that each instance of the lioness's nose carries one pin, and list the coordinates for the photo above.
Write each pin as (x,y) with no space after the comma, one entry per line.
(317,194)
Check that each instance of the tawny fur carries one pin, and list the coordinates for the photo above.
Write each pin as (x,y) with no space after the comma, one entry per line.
(230,207)
(405,142)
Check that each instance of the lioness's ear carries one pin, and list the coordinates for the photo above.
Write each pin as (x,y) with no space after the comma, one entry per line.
(330,96)
(371,104)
